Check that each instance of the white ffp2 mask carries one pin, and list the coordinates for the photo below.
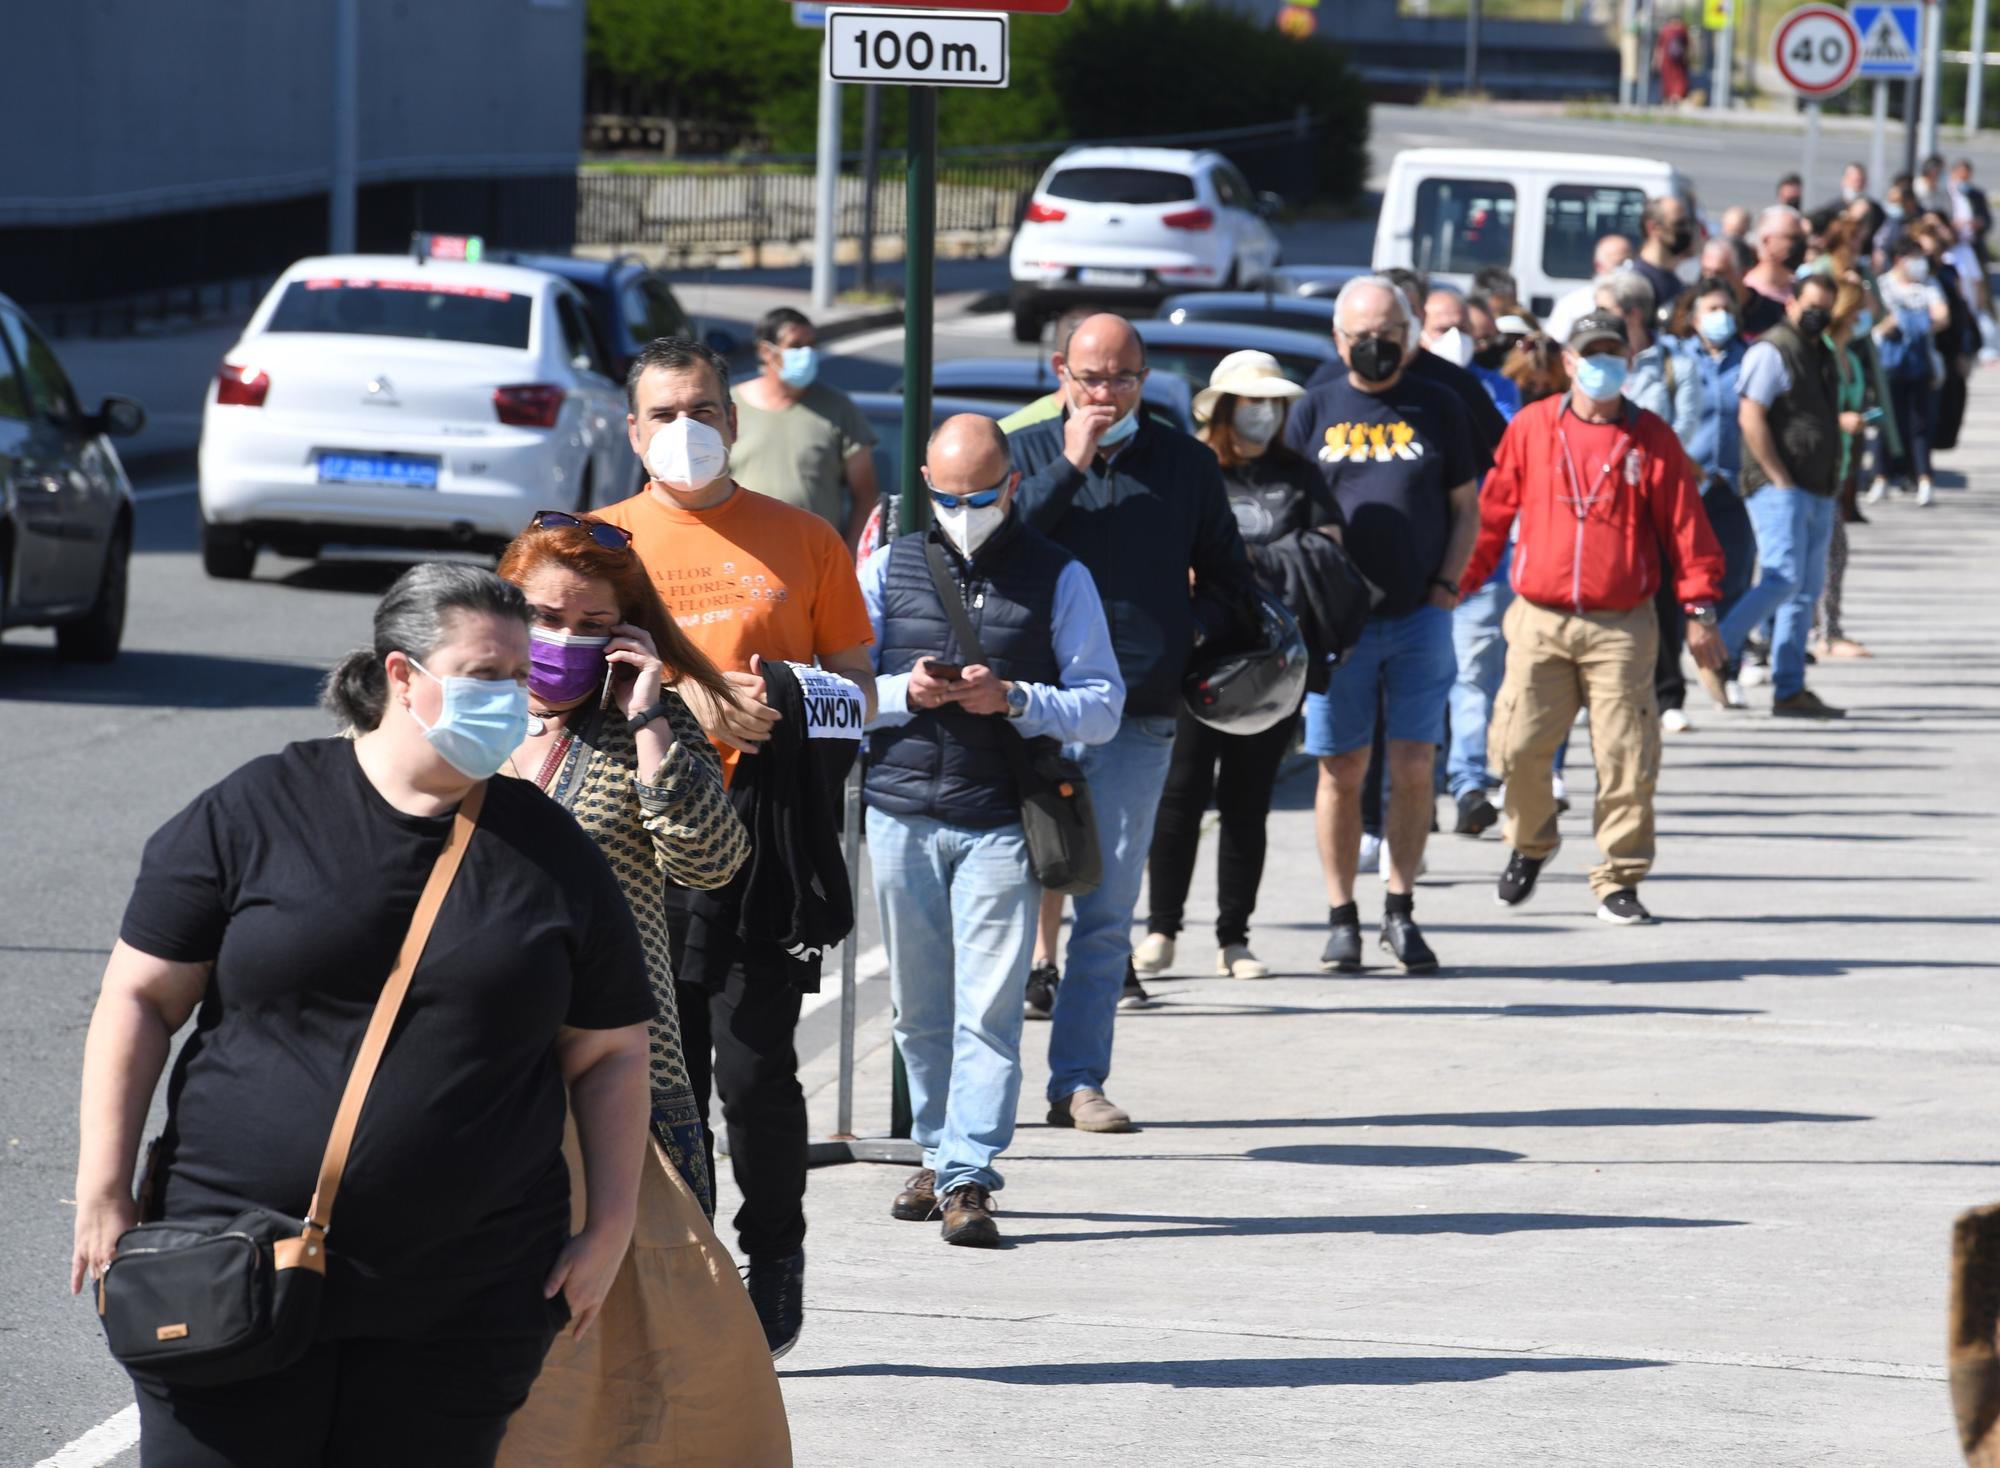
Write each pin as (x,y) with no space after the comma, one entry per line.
(967,528)
(687,453)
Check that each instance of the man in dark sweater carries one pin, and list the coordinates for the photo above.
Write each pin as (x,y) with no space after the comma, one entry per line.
(1142,506)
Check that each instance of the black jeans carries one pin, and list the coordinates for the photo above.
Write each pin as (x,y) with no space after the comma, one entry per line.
(1670,687)
(1242,792)
(351,1404)
(739,1042)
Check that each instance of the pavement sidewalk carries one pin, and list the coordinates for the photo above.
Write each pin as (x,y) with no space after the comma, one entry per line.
(1676,1195)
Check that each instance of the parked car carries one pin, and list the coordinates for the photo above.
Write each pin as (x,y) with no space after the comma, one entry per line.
(1018,381)
(1315,280)
(386,400)
(884,412)
(1129,226)
(1191,349)
(1448,212)
(65,503)
(1251,308)
(630,302)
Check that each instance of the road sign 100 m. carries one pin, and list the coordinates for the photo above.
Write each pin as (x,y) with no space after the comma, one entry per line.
(887,46)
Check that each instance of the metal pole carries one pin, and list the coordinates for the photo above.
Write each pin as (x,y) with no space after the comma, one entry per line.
(828,178)
(1878,147)
(844,1115)
(1628,25)
(1910,89)
(1725,57)
(1811,158)
(1933,74)
(343,181)
(919,247)
(1472,46)
(1975,70)
(871,166)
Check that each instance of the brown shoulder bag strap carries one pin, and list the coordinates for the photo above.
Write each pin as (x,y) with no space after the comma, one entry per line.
(334,1163)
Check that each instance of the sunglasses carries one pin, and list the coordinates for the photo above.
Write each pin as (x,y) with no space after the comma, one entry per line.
(611,537)
(978,500)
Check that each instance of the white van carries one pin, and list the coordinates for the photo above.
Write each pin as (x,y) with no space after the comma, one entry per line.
(1449,212)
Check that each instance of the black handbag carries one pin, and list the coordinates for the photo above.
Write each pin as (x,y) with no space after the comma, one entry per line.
(195,1305)
(1058,819)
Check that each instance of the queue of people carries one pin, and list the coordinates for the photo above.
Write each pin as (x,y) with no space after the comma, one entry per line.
(1524,527)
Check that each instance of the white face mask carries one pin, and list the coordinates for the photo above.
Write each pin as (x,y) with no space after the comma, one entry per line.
(687,454)
(1454,346)
(1257,420)
(967,528)
(1918,268)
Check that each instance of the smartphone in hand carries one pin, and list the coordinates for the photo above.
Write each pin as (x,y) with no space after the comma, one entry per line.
(944,672)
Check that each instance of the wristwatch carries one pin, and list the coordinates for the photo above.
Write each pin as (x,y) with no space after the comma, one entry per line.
(646,716)
(1017,700)
(1446,582)
(1701,613)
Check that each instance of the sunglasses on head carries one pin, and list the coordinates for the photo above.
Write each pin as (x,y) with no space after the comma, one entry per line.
(611,537)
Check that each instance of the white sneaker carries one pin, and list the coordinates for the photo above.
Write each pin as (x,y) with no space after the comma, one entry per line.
(1877,492)
(1676,721)
(1382,863)
(1926,495)
(1154,954)
(1582,719)
(1755,675)
(1732,693)
(1560,791)
(1238,962)
(1371,853)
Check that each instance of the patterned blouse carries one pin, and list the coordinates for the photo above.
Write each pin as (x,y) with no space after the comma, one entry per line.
(680,824)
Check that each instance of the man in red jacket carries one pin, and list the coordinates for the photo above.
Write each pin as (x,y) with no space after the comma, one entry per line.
(1600,485)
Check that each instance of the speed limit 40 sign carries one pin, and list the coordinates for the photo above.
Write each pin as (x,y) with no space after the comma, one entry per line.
(1818,50)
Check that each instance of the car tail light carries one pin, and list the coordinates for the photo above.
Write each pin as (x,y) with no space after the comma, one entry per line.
(1040,213)
(529,404)
(1189,219)
(241,387)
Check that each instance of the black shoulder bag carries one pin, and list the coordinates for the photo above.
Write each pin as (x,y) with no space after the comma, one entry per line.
(194,1305)
(1057,816)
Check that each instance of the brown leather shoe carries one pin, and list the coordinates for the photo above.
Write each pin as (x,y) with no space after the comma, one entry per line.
(1089,1111)
(918,1200)
(968,1218)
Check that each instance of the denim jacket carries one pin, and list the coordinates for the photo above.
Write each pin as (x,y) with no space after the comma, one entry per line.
(1662,384)
(1716,445)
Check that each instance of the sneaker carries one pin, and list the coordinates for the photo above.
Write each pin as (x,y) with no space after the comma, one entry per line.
(1154,955)
(1926,495)
(1877,492)
(1371,852)
(968,1218)
(1382,864)
(1560,790)
(1134,995)
(1236,961)
(918,1200)
(1732,694)
(1676,721)
(1405,942)
(1041,997)
(1714,685)
(1754,675)
(1517,881)
(777,1289)
(1476,814)
(1342,953)
(1089,1111)
(1805,704)
(1624,908)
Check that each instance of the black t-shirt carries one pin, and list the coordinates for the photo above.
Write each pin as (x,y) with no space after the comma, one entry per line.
(1488,425)
(299,881)
(1392,460)
(1666,285)
(1276,494)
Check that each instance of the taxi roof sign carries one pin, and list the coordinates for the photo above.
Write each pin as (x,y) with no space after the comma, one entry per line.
(469,248)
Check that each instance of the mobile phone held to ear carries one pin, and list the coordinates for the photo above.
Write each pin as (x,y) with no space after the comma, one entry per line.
(944,672)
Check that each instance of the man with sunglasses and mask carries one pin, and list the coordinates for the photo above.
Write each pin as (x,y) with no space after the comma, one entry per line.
(952,876)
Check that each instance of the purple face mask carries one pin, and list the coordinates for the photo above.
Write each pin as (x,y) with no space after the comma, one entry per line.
(564,668)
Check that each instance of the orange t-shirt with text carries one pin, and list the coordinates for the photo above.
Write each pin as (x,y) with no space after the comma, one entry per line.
(752,575)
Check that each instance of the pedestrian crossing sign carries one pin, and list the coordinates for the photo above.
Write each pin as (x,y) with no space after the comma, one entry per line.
(1888,40)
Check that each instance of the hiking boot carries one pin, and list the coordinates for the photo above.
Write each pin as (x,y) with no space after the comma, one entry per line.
(1476,814)
(777,1289)
(1624,908)
(1089,1111)
(968,1218)
(1342,953)
(1040,1001)
(918,1200)
(1154,954)
(1236,961)
(1405,942)
(1517,882)
(1805,704)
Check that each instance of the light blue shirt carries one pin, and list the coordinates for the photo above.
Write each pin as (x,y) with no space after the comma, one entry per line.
(1662,384)
(1083,708)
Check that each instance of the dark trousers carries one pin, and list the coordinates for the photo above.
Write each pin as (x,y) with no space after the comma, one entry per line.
(1242,794)
(738,1042)
(350,1404)
(1915,407)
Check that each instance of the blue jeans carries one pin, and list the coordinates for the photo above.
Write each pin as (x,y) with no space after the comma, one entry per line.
(958,920)
(1127,776)
(1482,661)
(1794,531)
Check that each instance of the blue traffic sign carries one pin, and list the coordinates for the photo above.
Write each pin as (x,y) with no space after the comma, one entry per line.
(1889,47)
(809,17)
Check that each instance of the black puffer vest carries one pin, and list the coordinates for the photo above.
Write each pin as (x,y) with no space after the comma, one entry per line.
(946,763)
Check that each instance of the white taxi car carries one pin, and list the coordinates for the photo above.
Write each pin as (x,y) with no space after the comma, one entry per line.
(409,401)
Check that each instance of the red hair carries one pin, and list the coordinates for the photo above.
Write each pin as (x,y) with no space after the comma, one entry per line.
(575,549)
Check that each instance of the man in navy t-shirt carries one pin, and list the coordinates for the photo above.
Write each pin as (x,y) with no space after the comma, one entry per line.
(1399,455)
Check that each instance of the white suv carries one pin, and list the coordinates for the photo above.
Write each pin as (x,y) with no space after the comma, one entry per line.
(1132,226)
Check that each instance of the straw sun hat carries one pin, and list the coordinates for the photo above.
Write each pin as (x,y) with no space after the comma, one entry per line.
(1245,375)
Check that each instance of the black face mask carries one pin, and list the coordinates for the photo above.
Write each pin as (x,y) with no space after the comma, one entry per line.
(1490,357)
(1813,322)
(1681,240)
(1375,358)
(1795,256)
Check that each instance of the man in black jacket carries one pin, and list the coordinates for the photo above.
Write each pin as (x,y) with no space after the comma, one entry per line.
(1141,505)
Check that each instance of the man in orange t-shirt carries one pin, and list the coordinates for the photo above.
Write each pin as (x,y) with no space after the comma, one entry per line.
(749,579)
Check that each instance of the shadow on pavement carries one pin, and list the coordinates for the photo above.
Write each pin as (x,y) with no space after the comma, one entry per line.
(180,680)
(1336,1156)
(1184,1226)
(1247,1371)
(1695,970)
(1215,1009)
(1565,1116)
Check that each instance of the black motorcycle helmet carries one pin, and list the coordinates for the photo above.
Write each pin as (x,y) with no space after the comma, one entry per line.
(1250,687)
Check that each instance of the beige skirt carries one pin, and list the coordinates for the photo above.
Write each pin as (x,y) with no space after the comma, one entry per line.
(676,1369)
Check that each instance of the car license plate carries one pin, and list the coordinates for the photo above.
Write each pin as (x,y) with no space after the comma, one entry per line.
(404,471)
(1130,279)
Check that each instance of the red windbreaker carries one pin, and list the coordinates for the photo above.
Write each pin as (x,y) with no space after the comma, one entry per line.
(1591,527)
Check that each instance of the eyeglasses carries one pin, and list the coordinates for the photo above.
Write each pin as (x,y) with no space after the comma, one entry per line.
(978,500)
(1115,382)
(611,537)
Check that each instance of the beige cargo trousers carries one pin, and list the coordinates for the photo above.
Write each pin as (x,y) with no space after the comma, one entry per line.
(1558,662)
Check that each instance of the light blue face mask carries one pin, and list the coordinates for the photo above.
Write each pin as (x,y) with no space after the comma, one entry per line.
(798,366)
(481,723)
(1864,322)
(1118,432)
(1601,378)
(1718,326)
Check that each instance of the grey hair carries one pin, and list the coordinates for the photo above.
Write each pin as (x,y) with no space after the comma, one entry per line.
(1631,290)
(677,354)
(1772,213)
(414,618)
(1383,283)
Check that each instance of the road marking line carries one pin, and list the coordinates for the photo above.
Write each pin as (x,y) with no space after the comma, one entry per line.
(112,1436)
(167,492)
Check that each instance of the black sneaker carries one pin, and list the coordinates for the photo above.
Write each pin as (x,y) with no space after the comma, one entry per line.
(1476,814)
(777,1289)
(1041,999)
(1342,953)
(1134,995)
(1624,908)
(1517,882)
(1402,938)
(1805,704)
